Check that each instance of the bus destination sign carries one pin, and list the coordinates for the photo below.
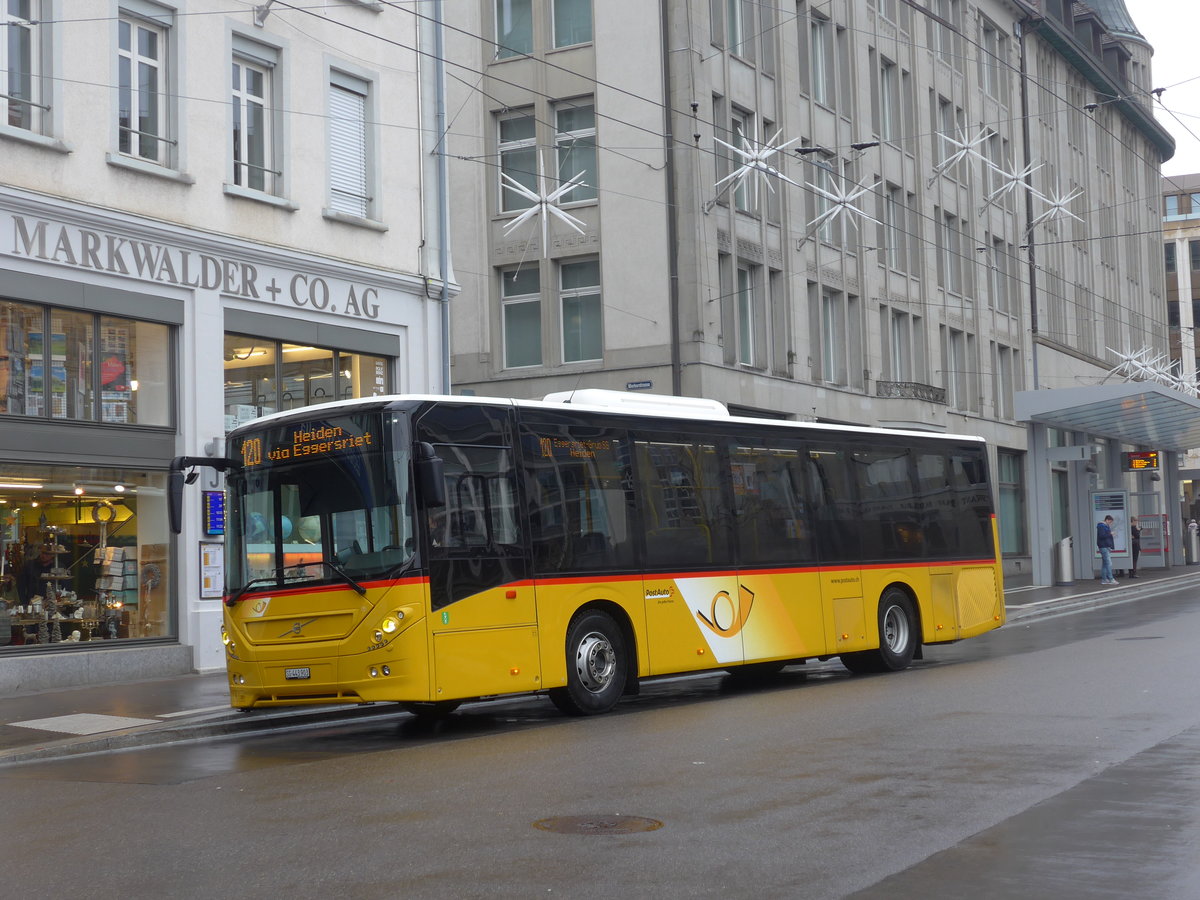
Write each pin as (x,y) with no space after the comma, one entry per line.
(304,442)
(1141,459)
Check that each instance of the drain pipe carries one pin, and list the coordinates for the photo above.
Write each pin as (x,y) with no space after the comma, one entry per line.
(443,182)
(672,208)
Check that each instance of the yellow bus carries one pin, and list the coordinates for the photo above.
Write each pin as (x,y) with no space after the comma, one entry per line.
(429,550)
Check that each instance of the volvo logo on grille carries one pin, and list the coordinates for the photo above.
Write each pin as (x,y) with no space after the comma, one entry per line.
(297,627)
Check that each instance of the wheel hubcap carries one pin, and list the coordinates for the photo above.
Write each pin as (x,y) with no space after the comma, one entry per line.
(595,662)
(895,629)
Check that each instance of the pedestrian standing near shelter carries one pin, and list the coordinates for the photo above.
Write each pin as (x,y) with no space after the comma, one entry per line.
(1104,543)
(1135,537)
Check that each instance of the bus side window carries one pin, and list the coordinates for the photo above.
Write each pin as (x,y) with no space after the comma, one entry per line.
(835,505)
(685,519)
(577,485)
(888,504)
(774,522)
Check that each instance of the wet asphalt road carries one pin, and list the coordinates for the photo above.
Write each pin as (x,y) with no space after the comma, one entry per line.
(1056,757)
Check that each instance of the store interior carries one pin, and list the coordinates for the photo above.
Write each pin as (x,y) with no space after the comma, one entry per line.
(83,557)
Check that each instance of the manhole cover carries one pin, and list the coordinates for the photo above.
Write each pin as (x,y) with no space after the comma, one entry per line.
(598,824)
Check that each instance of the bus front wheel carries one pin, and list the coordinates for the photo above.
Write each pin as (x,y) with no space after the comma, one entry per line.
(898,637)
(596,665)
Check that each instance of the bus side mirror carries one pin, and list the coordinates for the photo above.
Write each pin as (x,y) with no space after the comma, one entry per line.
(429,473)
(175,501)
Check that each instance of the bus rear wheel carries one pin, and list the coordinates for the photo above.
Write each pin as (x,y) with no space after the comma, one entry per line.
(898,637)
(596,665)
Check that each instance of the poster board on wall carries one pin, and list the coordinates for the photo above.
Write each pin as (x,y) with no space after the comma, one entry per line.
(1115,504)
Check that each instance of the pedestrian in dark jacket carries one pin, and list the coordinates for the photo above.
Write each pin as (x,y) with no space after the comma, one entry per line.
(1105,544)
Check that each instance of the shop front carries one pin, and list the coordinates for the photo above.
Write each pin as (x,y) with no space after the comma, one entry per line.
(123,344)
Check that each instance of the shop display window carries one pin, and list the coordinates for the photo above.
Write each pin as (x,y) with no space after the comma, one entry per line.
(83,556)
(263,377)
(56,362)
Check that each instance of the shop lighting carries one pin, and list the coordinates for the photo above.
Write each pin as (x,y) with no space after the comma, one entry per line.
(78,490)
(21,485)
(133,384)
(119,488)
(297,349)
(34,503)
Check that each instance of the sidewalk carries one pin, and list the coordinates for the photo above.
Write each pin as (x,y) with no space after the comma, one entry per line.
(56,723)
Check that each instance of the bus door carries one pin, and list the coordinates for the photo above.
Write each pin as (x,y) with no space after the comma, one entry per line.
(779,582)
(481,599)
(695,607)
(835,519)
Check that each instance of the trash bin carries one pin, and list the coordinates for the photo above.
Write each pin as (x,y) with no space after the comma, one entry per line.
(1193,546)
(1064,563)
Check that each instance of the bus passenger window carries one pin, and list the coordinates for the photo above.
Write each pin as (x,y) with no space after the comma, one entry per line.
(774,521)
(579,497)
(685,517)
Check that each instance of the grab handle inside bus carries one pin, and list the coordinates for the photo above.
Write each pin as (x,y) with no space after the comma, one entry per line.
(429,472)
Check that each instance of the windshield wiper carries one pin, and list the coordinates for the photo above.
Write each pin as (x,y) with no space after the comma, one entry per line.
(337,570)
(278,576)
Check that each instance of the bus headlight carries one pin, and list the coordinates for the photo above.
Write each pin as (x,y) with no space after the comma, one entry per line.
(225,638)
(389,625)
(378,636)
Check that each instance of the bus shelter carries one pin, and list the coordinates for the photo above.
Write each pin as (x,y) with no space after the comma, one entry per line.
(1077,440)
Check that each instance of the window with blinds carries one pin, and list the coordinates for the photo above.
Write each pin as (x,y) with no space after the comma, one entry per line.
(349,174)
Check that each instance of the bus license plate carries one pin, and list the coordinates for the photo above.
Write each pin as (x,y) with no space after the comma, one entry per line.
(297,674)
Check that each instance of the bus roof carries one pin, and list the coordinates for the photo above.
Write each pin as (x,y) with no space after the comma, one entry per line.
(602,401)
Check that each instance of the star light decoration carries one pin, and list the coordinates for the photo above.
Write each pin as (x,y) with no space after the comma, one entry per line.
(545,203)
(1057,207)
(964,149)
(755,161)
(842,199)
(1144,365)
(1010,179)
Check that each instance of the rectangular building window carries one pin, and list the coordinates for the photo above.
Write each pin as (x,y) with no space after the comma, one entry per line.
(350,172)
(745,316)
(521,311)
(22,92)
(255,165)
(514,28)
(895,235)
(889,100)
(820,55)
(582,320)
(900,357)
(1010,517)
(833,338)
(57,362)
(572,22)
(746,190)
(575,143)
(142,116)
(1172,206)
(1194,254)
(264,376)
(518,159)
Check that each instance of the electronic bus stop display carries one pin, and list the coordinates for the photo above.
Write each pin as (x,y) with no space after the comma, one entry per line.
(1140,459)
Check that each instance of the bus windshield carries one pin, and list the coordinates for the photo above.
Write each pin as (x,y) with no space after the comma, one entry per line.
(320,501)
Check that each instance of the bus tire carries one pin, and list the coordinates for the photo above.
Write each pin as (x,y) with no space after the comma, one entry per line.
(596,665)
(431,710)
(898,637)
